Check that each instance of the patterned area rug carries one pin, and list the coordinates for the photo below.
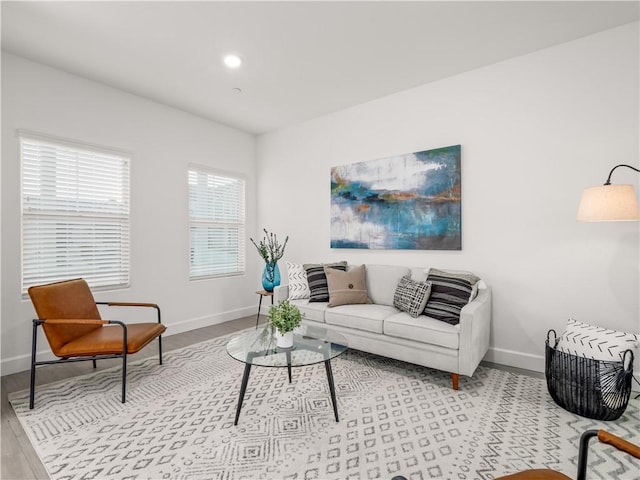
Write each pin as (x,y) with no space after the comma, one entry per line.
(395,419)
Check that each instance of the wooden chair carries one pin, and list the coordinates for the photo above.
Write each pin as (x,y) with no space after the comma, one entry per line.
(603,436)
(75,331)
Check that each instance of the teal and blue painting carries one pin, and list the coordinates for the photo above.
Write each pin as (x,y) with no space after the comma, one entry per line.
(407,202)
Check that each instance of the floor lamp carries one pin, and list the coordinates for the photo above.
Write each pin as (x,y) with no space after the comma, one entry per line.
(609,203)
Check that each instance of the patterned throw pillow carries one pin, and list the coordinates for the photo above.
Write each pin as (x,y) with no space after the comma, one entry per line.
(598,343)
(298,285)
(347,288)
(318,288)
(449,293)
(411,296)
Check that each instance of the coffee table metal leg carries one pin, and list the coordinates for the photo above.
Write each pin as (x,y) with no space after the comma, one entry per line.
(288,354)
(332,389)
(243,389)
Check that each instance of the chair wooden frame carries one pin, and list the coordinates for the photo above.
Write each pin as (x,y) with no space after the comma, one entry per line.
(123,355)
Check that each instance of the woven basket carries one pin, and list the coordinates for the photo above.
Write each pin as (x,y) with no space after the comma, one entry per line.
(591,388)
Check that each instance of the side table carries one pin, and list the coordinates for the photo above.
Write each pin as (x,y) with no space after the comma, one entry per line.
(262,293)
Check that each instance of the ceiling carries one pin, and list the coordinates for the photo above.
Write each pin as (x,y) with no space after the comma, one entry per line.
(300,59)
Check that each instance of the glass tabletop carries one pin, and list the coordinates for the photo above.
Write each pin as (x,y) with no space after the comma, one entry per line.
(311,345)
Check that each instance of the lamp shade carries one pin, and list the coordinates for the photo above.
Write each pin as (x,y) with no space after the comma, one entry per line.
(608,203)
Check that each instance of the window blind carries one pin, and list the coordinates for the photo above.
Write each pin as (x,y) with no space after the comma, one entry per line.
(75,214)
(216,223)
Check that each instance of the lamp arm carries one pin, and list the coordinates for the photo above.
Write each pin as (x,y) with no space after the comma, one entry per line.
(608,182)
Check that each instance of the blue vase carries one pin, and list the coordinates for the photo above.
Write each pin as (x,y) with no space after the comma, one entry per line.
(270,276)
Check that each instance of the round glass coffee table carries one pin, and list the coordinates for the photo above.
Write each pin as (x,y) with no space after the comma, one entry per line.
(311,345)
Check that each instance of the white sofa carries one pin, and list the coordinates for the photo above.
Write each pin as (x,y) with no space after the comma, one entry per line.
(382,329)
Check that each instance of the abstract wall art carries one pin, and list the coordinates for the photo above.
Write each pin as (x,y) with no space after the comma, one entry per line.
(409,201)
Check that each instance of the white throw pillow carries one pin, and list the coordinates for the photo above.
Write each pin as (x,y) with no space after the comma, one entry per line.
(598,343)
(298,285)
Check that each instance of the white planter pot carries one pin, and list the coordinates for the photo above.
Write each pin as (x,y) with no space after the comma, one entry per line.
(284,341)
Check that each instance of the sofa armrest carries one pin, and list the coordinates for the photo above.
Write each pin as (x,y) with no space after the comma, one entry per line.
(475,327)
(280,293)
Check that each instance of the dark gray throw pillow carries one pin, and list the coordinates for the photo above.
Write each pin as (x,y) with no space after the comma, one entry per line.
(449,293)
(318,280)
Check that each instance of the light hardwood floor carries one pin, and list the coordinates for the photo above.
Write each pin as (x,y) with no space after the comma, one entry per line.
(19,460)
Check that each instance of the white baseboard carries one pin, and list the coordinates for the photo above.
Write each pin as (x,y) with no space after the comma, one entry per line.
(207,320)
(21,363)
(512,358)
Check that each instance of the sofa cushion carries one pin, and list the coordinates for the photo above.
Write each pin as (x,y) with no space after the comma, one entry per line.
(382,281)
(347,288)
(367,317)
(319,291)
(297,279)
(449,293)
(311,311)
(411,296)
(422,329)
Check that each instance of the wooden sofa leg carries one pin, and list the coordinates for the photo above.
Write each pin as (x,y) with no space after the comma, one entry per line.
(454,379)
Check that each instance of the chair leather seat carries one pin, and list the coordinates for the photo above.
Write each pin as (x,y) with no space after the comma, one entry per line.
(539,474)
(108,340)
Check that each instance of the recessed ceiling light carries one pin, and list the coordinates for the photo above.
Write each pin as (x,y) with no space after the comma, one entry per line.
(232,61)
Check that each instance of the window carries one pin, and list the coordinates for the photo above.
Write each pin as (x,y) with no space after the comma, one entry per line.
(75,213)
(216,223)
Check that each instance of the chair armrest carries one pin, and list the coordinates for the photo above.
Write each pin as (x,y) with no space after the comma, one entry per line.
(475,327)
(280,293)
(127,304)
(65,321)
(619,443)
(132,304)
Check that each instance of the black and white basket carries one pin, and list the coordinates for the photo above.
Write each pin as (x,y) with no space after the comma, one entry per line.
(591,388)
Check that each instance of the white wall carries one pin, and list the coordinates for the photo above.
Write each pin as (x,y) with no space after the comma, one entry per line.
(163,141)
(534,131)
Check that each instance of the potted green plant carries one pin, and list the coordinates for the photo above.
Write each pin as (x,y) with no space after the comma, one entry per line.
(283,319)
